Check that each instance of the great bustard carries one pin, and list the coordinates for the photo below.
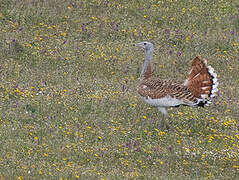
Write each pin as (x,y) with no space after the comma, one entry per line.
(197,90)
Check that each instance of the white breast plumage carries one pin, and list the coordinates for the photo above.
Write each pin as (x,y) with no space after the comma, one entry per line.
(166,101)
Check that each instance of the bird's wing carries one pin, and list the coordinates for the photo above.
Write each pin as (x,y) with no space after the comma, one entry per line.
(156,88)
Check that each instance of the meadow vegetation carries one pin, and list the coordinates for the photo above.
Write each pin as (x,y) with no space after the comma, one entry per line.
(68,105)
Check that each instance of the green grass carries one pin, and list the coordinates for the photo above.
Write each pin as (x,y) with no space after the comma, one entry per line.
(68,105)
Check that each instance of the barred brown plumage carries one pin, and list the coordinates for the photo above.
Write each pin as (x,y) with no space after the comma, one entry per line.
(156,88)
(197,90)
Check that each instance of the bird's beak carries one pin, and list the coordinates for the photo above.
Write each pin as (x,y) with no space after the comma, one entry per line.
(137,45)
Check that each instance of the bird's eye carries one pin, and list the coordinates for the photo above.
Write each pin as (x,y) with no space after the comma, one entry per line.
(145,43)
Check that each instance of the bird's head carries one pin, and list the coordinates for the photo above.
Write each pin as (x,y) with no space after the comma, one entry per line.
(145,45)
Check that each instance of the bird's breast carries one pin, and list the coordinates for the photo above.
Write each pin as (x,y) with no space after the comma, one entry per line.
(166,101)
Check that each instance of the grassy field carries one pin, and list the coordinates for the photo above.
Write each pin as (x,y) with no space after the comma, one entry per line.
(68,105)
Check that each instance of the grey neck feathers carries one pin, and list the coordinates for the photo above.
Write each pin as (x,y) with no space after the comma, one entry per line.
(147,59)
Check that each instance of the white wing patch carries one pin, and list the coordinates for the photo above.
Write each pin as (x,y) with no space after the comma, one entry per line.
(144,87)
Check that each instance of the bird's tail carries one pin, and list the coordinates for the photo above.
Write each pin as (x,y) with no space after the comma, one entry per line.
(202,81)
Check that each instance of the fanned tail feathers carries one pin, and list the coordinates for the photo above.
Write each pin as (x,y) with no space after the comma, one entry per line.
(202,81)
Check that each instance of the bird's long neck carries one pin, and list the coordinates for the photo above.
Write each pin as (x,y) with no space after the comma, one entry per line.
(147,67)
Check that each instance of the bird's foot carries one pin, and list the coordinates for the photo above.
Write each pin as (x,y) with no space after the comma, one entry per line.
(166,125)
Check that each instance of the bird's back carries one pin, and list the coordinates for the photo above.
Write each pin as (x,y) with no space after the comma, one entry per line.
(165,93)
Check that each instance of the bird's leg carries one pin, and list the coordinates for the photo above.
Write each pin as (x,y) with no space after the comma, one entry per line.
(165,114)
(162,122)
